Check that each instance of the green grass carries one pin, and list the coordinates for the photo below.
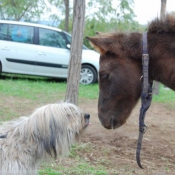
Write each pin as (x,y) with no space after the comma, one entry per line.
(30,89)
(165,95)
(89,91)
(37,88)
(80,169)
(76,165)
(34,89)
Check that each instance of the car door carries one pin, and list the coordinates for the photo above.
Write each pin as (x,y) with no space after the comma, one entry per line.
(52,54)
(17,51)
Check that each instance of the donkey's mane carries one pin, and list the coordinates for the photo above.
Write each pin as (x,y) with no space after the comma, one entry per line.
(160,26)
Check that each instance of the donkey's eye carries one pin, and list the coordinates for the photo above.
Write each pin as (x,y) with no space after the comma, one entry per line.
(110,54)
(104,76)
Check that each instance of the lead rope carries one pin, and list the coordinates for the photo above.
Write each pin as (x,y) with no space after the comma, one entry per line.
(146,97)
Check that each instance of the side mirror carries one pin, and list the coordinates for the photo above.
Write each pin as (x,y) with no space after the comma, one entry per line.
(68,46)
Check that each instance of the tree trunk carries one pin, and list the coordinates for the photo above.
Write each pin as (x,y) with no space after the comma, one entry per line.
(163,10)
(155,88)
(162,17)
(66,27)
(76,52)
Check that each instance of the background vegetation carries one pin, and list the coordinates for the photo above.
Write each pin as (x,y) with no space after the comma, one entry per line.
(101,15)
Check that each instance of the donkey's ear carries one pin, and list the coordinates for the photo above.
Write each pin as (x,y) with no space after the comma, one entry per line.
(96,44)
(105,35)
(99,33)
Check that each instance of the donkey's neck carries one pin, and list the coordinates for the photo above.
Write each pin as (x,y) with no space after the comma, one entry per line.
(164,73)
(162,58)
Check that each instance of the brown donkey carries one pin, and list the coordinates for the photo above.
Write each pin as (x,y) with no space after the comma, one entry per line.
(121,68)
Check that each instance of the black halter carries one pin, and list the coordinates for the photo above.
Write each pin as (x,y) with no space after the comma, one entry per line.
(146,96)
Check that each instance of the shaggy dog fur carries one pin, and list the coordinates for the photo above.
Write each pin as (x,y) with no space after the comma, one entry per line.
(49,131)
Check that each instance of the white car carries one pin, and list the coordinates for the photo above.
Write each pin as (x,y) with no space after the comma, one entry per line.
(34,49)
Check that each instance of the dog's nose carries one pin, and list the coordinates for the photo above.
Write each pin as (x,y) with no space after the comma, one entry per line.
(86,116)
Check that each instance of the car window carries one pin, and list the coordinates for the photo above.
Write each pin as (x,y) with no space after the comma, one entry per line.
(51,38)
(16,33)
(4,34)
(69,38)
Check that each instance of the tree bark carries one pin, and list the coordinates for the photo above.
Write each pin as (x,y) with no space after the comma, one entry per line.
(76,52)
(66,27)
(163,10)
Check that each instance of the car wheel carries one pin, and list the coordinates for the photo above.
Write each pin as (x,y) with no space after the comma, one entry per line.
(88,75)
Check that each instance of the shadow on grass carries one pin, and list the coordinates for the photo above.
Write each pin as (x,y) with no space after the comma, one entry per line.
(30,78)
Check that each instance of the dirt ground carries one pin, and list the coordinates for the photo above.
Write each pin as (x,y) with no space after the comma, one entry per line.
(115,149)
(158,153)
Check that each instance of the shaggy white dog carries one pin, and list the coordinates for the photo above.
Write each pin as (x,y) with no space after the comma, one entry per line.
(49,131)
